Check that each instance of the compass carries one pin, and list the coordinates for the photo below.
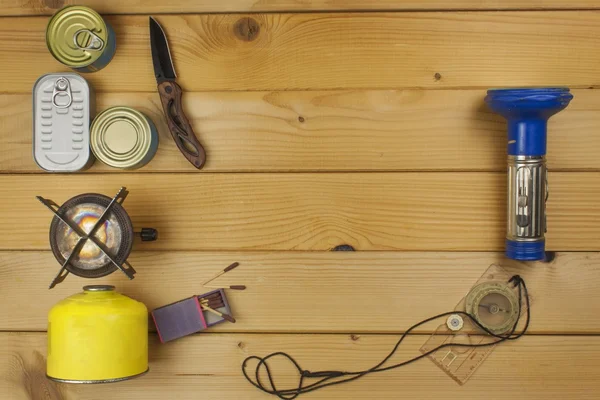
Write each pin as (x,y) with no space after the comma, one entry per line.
(494,305)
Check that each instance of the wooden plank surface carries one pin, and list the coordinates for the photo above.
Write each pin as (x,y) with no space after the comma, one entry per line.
(300,131)
(330,51)
(39,7)
(209,366)
(383,161)
(383,292)
(371,211)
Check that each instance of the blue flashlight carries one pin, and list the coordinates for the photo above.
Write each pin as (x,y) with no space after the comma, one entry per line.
(527,112)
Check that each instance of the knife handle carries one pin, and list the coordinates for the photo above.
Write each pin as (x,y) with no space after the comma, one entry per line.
(179,126)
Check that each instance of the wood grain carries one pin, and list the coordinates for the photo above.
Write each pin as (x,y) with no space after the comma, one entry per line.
(47,7)
(332,131)
(328,51)
(548,367)
(384,161)
(383,292)
(370,211)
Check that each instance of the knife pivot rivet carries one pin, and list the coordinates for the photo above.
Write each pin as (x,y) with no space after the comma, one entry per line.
(168,89)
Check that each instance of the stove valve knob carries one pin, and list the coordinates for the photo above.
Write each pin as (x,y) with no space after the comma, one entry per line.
(148,234)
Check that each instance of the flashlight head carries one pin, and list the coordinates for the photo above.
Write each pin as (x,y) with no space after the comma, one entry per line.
(527,112)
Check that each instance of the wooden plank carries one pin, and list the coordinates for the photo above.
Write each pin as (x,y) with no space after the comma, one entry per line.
(383,292)
(330,51)
(548,367)
(371,211)
(332,131)
(47,7)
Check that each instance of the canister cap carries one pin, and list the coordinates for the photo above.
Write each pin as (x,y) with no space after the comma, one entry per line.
(526,251)
(123,138)
(98,288)
(76,36)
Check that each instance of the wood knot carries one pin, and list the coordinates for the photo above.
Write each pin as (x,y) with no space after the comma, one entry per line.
(246,29)
(54,4)
(437,76)
(343,247)
(301,119)
(354,337)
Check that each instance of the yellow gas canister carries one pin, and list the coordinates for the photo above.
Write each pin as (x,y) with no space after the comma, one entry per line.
(97,336)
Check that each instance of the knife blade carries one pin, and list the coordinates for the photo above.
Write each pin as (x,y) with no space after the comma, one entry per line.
(171,98)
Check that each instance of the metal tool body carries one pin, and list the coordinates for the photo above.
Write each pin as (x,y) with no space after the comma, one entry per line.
(171,98)
(80,38)
(91,235)
(527,112)
(63,105)
(124,266)
(123,137)
(97,336)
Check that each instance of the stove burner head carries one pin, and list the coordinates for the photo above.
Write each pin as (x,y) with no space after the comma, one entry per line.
(91,235)
(115,233)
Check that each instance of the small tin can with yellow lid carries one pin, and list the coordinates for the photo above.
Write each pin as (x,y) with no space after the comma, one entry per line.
(97,336)
(80,38)
(123,138)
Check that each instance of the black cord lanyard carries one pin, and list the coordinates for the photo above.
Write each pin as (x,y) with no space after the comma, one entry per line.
(328,376)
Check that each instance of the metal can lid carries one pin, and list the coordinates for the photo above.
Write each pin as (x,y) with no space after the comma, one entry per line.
(122,137)
(76,36)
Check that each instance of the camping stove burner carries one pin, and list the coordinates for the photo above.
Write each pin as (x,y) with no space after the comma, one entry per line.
(91,235)
(85,215)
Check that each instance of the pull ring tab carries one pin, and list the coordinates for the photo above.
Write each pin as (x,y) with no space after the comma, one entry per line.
(95,42)
(62,89)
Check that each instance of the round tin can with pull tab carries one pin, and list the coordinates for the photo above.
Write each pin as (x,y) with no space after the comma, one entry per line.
(97,336)
(80,38)
(123,138)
